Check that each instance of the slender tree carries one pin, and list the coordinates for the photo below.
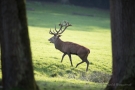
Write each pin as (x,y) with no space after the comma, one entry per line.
(123,45)
(17,69)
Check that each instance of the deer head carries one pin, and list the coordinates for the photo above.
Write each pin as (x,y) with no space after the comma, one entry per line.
(57,33)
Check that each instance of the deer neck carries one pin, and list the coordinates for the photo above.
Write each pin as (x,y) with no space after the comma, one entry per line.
(58,44)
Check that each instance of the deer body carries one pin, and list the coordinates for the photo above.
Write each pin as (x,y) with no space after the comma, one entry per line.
(69,48)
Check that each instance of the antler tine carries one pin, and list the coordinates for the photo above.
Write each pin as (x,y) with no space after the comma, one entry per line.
(56,30)
(60,31)
(50,32)
(53,31)
(66,25)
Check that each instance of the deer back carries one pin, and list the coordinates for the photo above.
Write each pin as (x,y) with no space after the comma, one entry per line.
(73,48)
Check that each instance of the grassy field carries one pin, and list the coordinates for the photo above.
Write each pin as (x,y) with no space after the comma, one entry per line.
(90,28)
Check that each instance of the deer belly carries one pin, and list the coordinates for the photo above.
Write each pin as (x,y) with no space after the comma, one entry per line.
(71,51)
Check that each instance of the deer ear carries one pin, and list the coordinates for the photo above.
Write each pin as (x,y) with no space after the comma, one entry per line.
(59,35)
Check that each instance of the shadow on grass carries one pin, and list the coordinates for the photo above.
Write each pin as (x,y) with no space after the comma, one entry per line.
(53,70)
(69,85)
(63,71)
(48,15)
(61,77)
(86,24)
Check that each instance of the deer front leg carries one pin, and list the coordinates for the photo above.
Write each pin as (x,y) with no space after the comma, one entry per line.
(70,59)
(63,56)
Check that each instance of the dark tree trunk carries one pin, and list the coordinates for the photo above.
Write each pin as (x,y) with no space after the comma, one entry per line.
(17,70)
(123,45)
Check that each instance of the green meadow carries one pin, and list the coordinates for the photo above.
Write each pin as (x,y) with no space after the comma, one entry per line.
(90,28)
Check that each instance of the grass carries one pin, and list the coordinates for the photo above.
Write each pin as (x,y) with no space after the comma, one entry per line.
(45,52)
(91,28)
(68,84)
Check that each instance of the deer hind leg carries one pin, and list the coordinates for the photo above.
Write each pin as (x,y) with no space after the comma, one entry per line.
(84,59)
(87,62)
(63,56)
(79,63)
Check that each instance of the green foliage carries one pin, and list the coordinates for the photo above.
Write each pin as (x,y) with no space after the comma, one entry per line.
(90,28)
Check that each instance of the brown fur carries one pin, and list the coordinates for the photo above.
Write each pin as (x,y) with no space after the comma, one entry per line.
(69,48)
(72,48)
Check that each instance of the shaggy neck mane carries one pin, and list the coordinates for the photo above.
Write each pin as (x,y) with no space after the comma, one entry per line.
(58,44)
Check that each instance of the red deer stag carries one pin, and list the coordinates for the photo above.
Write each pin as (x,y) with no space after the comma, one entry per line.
(69,47)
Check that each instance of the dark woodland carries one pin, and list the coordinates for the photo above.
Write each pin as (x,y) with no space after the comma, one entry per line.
(17,69)
(123,45)
(103,4)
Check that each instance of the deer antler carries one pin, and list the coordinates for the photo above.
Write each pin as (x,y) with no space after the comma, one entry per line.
(60,31)
(50,32)
(66,24)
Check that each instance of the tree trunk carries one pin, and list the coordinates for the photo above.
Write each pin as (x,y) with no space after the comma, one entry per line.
(123,45)
(17,69)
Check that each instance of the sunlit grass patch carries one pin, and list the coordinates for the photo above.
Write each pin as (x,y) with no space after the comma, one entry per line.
(91,31)
(67,84)
(45,54)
